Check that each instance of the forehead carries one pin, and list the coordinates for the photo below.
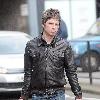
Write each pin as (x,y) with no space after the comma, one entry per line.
(53,20)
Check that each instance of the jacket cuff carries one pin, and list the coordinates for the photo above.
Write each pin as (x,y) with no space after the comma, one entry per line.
(78,97)
(24,97)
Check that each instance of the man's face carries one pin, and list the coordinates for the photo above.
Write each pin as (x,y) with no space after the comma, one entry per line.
(51,27)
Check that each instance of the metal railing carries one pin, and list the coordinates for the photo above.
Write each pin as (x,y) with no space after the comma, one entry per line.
(89,49)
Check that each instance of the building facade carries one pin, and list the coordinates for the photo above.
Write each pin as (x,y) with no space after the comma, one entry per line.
(25,15)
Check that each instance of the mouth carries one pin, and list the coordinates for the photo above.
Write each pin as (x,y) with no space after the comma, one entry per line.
(54,32)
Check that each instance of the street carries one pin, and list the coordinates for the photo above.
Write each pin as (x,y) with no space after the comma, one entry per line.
(86,96)
(69,96)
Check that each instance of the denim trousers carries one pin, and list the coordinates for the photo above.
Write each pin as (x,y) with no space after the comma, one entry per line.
(58,95)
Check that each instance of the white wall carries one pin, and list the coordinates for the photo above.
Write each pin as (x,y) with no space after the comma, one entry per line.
(83,16)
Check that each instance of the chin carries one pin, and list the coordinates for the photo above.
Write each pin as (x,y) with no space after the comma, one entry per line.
(53,34)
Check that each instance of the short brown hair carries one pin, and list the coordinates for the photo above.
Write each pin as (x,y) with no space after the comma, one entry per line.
(50,13)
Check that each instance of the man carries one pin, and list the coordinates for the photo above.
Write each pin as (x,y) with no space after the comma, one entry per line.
(46,57)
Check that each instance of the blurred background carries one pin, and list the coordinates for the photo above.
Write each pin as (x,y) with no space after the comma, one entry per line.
(20,21)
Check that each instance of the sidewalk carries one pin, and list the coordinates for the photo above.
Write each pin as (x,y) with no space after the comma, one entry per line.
(86,87)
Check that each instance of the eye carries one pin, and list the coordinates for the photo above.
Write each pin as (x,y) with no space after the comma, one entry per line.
(50,23)
(57,24)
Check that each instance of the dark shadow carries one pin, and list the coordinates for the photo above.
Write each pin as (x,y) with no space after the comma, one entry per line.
(63,30)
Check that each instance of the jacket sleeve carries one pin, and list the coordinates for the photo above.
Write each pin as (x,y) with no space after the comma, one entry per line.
(27,72)
(70,70)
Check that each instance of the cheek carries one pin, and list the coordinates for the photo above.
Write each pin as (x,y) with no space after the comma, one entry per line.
(57,28)
(47,29)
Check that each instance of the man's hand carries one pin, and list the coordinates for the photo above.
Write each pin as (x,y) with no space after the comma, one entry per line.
(20,98)
(78,98)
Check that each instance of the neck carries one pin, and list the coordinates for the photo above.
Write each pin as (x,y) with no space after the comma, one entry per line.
(47,38)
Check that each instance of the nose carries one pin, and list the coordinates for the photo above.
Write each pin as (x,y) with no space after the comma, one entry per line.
(54,26)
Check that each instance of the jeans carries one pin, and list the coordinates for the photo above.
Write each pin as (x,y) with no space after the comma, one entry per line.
(58,95)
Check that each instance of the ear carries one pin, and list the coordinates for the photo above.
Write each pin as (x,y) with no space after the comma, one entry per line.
(42,25)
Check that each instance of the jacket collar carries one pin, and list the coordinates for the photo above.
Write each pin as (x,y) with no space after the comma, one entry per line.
(41,41)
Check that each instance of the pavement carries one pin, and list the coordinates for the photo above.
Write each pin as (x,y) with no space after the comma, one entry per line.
(87,87)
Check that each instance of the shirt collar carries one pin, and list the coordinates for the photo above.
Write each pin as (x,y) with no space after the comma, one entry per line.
(41,41)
